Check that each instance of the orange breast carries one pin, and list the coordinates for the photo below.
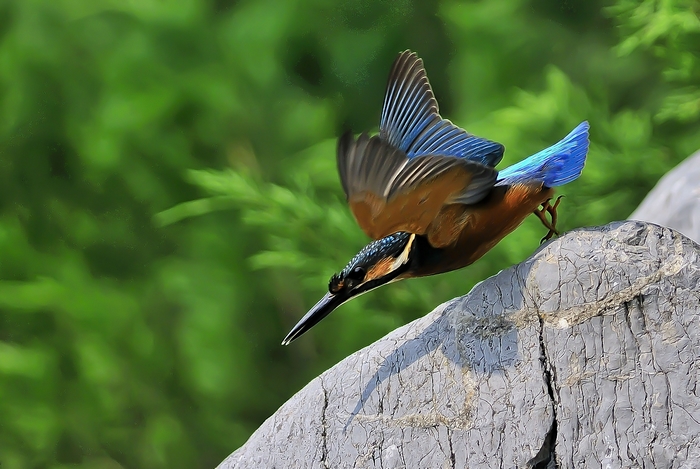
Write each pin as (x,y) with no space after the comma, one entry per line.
(478,228)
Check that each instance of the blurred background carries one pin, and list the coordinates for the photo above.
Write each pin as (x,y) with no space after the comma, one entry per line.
(169,203)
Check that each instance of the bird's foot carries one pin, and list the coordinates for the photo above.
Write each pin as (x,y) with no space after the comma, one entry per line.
(542,215)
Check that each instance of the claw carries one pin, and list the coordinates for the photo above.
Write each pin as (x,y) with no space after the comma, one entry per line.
(541,214)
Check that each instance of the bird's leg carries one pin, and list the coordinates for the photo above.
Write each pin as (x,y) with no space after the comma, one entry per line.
(552,209)
(541,214)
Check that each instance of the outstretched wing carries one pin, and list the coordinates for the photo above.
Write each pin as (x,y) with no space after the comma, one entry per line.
(389,192)
(411,122)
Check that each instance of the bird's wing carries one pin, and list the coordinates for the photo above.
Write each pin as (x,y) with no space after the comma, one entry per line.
(411,122)
(389,192)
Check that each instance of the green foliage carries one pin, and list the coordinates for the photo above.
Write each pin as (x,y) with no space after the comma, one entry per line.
(170,204)
(671,30)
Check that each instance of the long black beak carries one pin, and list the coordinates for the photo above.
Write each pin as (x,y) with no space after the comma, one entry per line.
(395,248)
(320,310)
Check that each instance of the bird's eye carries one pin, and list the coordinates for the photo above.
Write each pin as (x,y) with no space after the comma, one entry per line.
(358,273)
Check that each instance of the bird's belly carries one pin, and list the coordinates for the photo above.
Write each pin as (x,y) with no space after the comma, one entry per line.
(488,223)
(493,223)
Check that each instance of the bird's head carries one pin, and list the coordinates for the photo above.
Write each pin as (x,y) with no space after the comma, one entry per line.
(382,261)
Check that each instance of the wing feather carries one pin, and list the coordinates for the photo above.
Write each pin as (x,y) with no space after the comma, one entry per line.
(411,121)
(388,192)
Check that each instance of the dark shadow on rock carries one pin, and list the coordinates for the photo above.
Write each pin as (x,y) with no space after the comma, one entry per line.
(483,341)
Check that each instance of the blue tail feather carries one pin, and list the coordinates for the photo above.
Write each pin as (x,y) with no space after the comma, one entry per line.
(554,166)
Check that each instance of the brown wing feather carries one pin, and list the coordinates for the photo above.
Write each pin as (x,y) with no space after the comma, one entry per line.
(412,211)
(388,192)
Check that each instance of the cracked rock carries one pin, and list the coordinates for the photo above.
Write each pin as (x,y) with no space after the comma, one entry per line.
(585,355)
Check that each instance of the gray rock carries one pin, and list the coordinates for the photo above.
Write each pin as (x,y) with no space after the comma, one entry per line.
(675,200)
(585,355)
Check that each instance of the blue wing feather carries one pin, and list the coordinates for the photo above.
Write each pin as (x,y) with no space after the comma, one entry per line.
(554,166)
(411,122)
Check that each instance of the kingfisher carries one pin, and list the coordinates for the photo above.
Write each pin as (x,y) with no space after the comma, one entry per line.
(428,194)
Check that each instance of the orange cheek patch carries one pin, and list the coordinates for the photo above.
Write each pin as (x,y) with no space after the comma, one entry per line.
(379,269)
(335,288)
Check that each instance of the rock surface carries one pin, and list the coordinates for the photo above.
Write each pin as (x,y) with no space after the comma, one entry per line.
(675,200)
(585,355)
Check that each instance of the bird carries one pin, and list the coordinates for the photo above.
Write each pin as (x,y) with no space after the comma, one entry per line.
(428,194)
